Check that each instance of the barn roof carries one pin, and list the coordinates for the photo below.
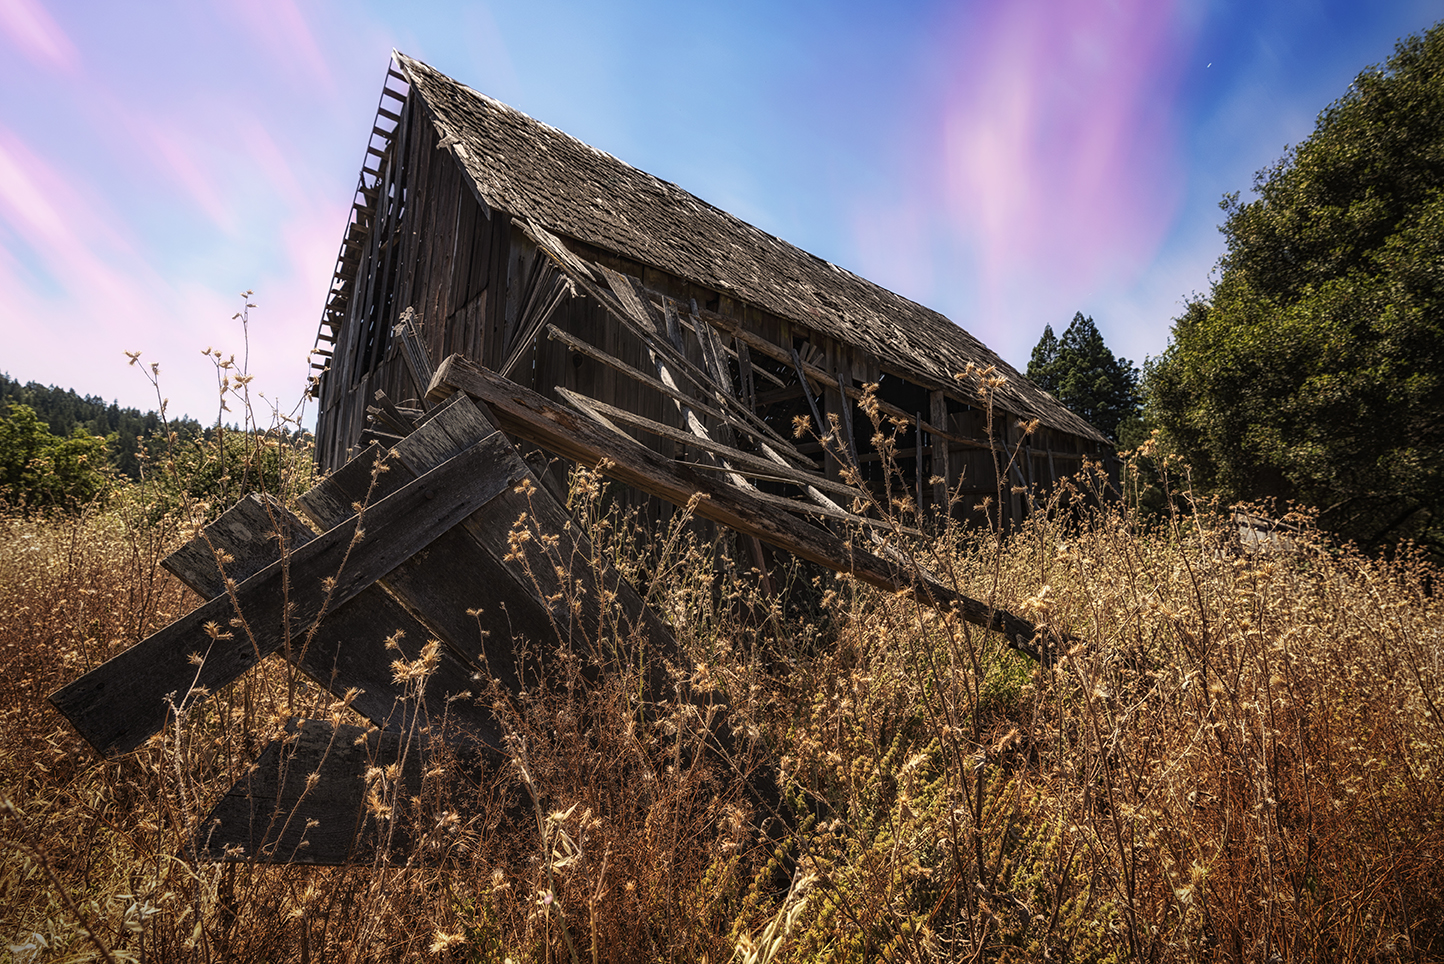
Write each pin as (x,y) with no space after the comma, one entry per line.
(534,171)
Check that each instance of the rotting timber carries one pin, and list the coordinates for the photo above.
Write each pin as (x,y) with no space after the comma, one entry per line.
(408,545)
(417,543)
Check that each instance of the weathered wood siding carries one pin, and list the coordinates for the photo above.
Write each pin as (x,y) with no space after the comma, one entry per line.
(430,246)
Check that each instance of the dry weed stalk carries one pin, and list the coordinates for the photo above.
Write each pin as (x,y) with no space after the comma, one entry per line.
(1243,761)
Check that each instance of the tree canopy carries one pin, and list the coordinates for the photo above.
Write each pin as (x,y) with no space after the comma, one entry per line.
(1080,371)
(63,411)
(39,470)
(61,450)
(1314,368)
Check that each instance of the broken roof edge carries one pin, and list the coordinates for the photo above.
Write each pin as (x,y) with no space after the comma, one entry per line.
(932,358)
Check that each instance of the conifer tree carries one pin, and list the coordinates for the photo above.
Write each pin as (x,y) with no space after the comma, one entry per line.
(1081,372)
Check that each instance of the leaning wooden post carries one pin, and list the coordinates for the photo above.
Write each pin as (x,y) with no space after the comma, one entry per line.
(571,434)
(942,450)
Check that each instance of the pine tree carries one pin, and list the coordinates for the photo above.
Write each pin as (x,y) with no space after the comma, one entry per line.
(1081,372)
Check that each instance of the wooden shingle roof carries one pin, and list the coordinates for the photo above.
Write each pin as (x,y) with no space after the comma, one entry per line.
(531,170)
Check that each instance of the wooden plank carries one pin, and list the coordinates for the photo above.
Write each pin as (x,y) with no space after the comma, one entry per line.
(589,604)
(744,371)
(938,415)
(736,457)
(523,412)
(496,287)
(694,319)
(348,650)
(461,269)
(918,465)
(647,324)
(118,706)
(469,596)
(385,410)
(558,289)
(716,367)
(278,814)
(252,533)
(817,374)
(807,393)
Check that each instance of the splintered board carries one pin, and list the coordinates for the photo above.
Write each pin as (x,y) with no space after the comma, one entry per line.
(576,435)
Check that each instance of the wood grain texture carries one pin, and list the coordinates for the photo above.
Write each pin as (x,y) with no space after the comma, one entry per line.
(538,173)
(523,412)
(121,704)
(466,596)
(530,570)
(352,648)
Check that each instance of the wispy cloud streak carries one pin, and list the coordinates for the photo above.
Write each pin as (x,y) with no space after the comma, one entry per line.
(32,31)
(280,28)
(1058,150)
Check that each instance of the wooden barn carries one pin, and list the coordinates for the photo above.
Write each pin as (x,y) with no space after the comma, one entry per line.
(538,257)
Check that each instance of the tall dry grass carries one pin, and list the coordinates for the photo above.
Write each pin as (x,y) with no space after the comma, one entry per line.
(1240,761)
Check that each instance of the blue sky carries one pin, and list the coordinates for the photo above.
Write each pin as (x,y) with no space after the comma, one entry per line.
(1007,163)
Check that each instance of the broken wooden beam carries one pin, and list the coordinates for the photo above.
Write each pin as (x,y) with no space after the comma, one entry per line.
(217,642)
(349,653)
(522,412)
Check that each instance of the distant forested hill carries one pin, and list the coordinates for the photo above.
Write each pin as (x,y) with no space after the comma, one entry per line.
(62,409)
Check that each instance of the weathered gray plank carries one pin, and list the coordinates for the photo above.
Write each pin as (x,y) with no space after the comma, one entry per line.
(738,461)
(119,705)
(276,814)
(348,649)
(938,415)
(248,534)
(522,412)
(556,590)
(455,577)
(588,601)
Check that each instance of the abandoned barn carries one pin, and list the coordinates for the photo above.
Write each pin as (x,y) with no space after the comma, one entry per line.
(499,238)
(503,291)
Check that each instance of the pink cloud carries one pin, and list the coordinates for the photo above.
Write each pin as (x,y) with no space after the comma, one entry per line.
(891,242)
(52,219)
(281,28)
(22,198)
(192,173)
(270,162)
(1058,152)
(101,298)
(36,34)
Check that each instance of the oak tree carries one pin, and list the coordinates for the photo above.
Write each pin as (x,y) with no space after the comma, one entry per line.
(1313,370)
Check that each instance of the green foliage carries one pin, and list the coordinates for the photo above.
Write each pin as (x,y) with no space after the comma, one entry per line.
(1314,369)
(51,454)
(1081,372)
(39,470)
(63,410)
(203,476)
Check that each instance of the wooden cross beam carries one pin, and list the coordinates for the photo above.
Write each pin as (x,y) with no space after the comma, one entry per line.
(435,525)
(277,814)
(447,536)
(121,704)
(348,654)
(525,414)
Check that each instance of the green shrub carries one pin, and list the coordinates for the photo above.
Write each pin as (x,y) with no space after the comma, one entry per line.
(39,470)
